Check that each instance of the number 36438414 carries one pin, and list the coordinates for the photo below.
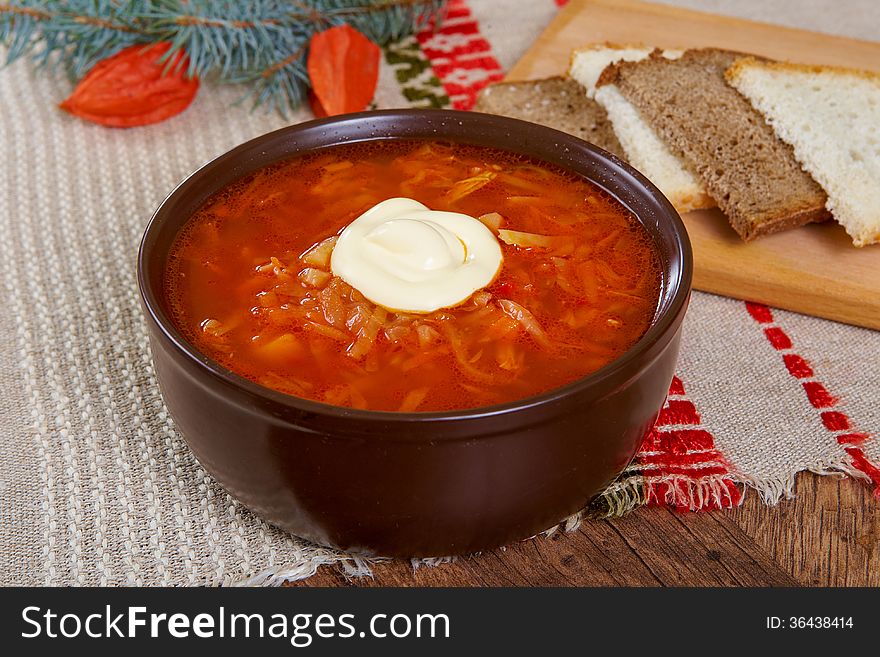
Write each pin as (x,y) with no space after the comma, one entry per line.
(809,622)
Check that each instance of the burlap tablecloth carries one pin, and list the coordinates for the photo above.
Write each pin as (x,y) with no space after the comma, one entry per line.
(97,487)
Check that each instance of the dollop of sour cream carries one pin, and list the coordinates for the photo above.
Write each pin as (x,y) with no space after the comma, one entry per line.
(405,257)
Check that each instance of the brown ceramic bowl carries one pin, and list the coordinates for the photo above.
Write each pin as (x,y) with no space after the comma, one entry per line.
(418,484)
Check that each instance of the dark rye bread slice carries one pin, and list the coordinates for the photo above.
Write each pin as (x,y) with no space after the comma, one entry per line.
(556,102)
(752,175)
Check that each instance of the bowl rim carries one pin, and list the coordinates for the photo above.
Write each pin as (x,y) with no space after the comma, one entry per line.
(679,285)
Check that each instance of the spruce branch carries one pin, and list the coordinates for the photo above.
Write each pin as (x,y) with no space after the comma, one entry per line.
(262,43)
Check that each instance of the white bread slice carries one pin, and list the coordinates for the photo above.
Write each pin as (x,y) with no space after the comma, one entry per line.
(831,117)
(647,153)
(643,147)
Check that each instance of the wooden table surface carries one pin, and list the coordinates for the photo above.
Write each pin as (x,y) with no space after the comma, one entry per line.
(829,535)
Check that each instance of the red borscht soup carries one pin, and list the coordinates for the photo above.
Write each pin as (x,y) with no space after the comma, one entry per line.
(249,281)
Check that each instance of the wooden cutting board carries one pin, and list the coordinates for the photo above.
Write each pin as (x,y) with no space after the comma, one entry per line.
(814,269)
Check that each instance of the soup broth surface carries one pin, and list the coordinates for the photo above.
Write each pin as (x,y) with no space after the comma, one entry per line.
(248,280)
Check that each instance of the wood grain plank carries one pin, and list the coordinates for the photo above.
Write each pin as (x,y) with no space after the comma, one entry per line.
(698,549)
(651,547)
(813,270)
(828,535)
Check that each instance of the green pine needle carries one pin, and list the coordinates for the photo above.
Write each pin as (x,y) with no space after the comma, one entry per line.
(261,43)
